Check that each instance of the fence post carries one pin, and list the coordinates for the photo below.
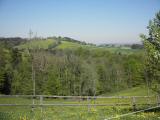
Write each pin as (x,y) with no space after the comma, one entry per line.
(134,103)
(148,101)
(41,103)
(41,100)
(33,103)
(94,101)
(158,99)
(88,99)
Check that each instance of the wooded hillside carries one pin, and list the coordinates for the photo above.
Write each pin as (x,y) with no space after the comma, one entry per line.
(67,67)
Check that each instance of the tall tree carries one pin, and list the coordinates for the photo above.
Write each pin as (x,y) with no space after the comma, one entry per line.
(152,48)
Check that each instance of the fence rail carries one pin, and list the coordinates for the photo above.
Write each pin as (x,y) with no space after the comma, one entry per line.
(132,100)
(54,96)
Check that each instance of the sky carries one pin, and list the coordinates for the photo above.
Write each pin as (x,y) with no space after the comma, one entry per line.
(93,21)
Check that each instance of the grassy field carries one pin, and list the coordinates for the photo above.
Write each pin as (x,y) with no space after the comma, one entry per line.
(47,44)
(93,101)
(66,44)
(136,91)
(72,45)
(122,50)
(77,112)
(38,44)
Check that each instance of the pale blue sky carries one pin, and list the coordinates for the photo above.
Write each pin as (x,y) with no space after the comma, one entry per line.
(96,21)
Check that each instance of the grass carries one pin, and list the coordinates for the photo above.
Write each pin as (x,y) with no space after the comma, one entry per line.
(122,50)
(112,101)
(66,44)
(75,112)
(135,91)
(49,43)
(40,44)
(73,45)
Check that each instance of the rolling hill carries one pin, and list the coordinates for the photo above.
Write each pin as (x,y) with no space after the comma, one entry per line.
(37,44)
(57,43)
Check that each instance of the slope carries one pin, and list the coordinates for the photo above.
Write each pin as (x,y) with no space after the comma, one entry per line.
(135,91)
(38,44)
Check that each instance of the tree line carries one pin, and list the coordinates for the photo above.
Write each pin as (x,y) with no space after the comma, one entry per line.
(68,72)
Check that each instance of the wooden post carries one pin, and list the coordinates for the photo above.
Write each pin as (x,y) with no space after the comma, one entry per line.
(134,103)
(158,99)
(148,101)
(88,99)
(41,99)
(33,103)
(41,103)
(94,101)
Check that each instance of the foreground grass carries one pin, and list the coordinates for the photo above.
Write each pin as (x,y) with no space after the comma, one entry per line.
(72,112)
(81,112)
(75,113)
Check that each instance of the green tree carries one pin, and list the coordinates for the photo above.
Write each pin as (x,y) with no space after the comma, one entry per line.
(152,48)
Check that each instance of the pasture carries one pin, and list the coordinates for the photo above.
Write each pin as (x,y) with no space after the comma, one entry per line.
(76,108)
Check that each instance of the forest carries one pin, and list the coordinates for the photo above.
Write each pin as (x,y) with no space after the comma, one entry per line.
(81,71)
(64,66)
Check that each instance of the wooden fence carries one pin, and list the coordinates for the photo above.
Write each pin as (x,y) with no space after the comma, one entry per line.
(89,101)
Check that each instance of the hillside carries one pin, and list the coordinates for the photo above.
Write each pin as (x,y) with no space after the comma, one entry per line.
(38,44)
(63,43)
(74,45)
(135,91)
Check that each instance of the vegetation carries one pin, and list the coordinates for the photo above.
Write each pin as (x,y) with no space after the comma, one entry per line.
(67,44)
(79,71)
(73,112)
(76,113)
(38,44)
(135,91)
(152,48)
(64,66)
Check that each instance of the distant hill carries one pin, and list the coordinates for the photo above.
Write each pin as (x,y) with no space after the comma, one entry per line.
(52,43)
(74,45)
(13,41)
(38,44)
